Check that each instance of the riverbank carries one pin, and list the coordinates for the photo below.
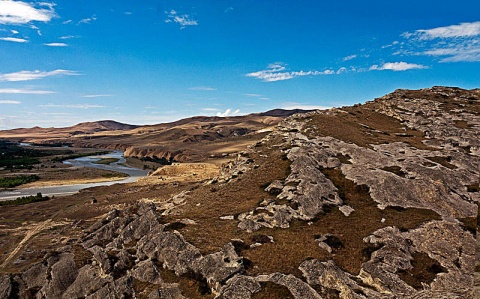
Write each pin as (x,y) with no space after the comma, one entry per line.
(81,173)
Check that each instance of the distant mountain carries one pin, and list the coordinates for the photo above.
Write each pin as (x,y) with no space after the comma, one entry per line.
(81,128)
(283,112)
(103,125)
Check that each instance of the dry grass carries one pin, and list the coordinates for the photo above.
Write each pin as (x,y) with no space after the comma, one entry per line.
(296,244)
(376,129)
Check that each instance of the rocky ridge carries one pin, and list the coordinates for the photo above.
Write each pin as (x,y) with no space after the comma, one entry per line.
(132,252)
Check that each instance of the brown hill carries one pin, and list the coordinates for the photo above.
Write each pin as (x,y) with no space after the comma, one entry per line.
(38,134)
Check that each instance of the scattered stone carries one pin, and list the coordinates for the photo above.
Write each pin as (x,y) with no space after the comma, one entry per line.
(346,210)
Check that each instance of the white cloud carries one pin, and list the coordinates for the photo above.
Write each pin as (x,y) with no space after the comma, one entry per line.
(454,43)
(14,31)
(18,12)
(9,102)
(350,57)
(341,70)
(462,30)
(67,22)
(73,106)
(228,112)
(97,95)
(24,91)
(203,88)
(253,95)
(56,45)
(14,39)
(87,20)
(34,75)
(456,54)
(69,36)
(210,109)
(277,72)
(397,66)
(183,20)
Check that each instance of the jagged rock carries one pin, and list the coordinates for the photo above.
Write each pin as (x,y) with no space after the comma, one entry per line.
(5,286)
(166,291)
(36,276)
(147,271)
(346,210)
(120,288)
(89,280)
(298,288)
(327,276)
(240,287)
(63,273)
(218,267)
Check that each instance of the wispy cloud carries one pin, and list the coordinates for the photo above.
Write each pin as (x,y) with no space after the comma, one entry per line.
(183,20)
(462,30)
(253,95)
(87,20)
(73,106)
(35,75)
(25,91)
(14,39)
(203,88)
(454,43)
(210,109)
(97,95)
(56,45)
(350,57)
(9,102)
(278,72)
(228,112)
(18,12)
(397,66)
(69,36)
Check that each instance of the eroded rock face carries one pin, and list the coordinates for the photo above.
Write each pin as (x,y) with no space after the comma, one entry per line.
(134,253)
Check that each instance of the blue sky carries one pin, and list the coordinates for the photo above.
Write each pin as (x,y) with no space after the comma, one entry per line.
(145,62)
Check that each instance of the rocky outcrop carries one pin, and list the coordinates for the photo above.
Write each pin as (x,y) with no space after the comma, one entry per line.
(135,252)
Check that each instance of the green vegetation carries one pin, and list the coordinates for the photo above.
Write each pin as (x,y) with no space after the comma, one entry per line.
(10,182)
(115,175)
(106,161)
(75,156)
(25,200)
(155,159)
(13,156)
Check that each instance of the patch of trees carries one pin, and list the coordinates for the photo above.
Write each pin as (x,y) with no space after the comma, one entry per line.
(13,156)
(10,182)
(161,161)
(25,200)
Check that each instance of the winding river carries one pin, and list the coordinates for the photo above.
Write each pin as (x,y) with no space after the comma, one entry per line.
(134,174)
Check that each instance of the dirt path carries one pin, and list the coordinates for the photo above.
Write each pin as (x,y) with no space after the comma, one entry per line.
(37,228)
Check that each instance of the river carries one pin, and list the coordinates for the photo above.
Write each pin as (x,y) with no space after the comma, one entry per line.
(134,174)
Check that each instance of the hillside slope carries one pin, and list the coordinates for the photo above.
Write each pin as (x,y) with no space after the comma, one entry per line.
(373,201)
